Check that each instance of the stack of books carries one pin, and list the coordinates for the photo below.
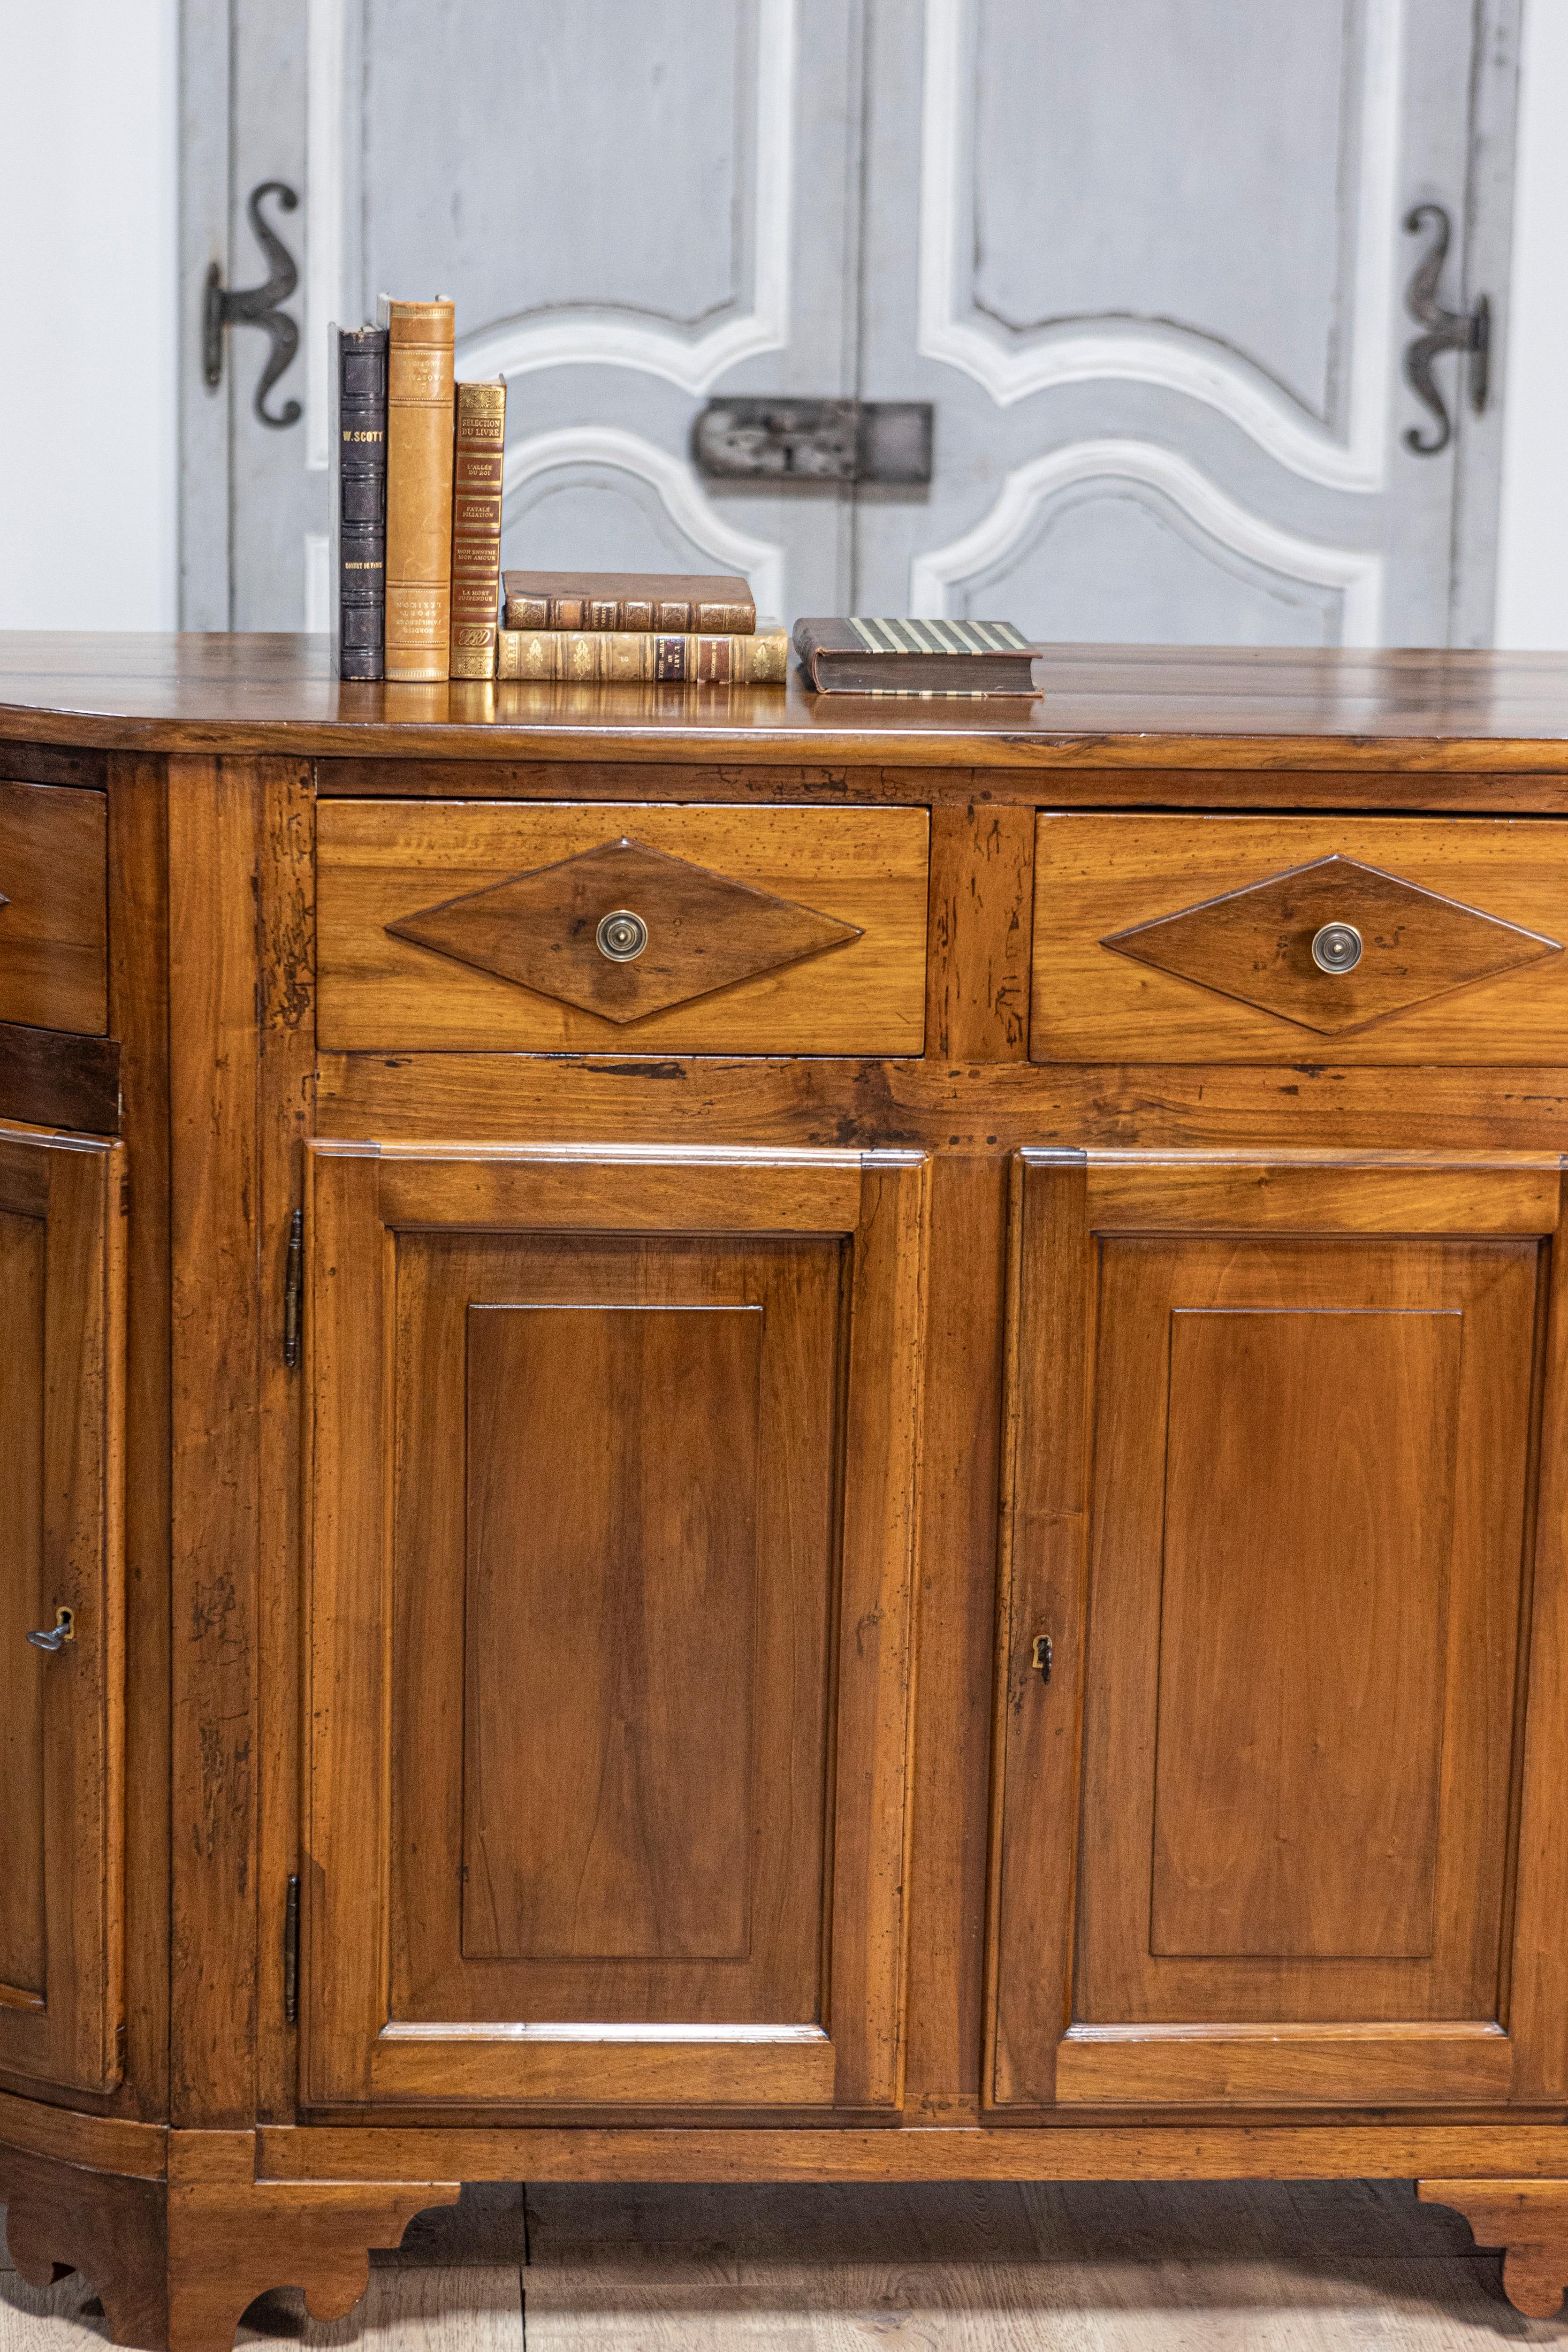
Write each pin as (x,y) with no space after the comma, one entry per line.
(417,520)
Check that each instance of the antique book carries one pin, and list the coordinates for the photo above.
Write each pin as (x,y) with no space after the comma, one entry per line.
(671,601)
(930,657)
(358,441)
(634,654)
(418,487)
(477,452)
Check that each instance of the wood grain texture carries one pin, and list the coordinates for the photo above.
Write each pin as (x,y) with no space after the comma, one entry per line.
(64,2216)
(611,1569)
(1101,706)
(950,1775)
(1116,979)
(1538,1993)
(1530,2219)
(397,882)
(54,870)
(48,1078)
(286,1079)
(704,931)
(1156,1923)
(53,763)
(683,2024)
(215,1329)
(139,1014)
(62,1225)
(982,917)
(816,1104)
(1170,2149)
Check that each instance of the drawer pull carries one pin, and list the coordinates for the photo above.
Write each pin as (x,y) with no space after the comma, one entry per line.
(622,936)
(62,1631)
(1336,947)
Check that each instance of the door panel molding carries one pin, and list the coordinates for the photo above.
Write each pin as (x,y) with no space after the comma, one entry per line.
(1330,2006)
(403,1246)
(675,483)
(1357,575)
(1173,358)
(610,336)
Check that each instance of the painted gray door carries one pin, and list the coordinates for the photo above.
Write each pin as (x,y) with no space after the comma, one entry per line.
(1145,259)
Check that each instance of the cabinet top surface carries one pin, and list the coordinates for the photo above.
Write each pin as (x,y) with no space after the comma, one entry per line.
(1104,706)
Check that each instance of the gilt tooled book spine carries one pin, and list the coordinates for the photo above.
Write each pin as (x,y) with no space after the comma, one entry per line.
(359,500)
(672,603)
(419,489)
(477,453)
(606,655)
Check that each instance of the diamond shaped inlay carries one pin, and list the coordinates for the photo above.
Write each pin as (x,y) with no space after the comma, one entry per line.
(705,930)
(1256,945)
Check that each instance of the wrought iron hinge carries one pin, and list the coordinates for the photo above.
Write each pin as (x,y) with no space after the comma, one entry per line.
(291,1954)
(1040,1654)
(293,1283)
(1466,331)
(256,306)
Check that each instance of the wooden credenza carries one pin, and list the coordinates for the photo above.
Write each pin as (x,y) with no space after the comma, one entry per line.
(774,1439)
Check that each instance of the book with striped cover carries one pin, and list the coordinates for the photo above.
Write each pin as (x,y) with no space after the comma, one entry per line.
(921,657)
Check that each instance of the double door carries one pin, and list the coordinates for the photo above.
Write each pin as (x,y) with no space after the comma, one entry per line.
(616,1489)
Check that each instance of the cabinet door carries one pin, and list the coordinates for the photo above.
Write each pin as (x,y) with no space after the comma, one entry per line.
(614,1465)
(61,1815)
(1276,1439)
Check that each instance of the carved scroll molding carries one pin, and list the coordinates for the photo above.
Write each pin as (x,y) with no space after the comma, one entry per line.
(609,336)
(671,479)
(1356,572)
(1175,357)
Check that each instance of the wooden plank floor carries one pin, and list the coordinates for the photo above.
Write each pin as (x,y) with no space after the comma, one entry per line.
(1294,2267)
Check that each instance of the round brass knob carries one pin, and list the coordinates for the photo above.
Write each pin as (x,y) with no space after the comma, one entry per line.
(1337,948)
(622,936)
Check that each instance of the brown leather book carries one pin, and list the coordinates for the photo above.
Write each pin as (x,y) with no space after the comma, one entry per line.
(418,489)
(477,454)
(676,603)
(633,656)
(940,660)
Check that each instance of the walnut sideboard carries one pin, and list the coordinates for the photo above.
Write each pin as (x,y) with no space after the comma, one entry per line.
(773,1438)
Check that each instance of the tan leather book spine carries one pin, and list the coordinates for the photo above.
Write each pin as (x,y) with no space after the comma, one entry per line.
(418,491)
(670,603)
(477,455)
(599,657)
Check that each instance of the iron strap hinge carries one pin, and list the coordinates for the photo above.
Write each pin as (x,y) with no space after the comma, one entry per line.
(293,1284)
(291,1954)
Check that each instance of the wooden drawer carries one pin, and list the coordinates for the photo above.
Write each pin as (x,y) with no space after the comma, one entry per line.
(465,926)
(53,879)
(1192,940)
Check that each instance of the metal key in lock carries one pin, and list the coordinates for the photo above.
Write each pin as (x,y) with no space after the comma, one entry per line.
(62,1631)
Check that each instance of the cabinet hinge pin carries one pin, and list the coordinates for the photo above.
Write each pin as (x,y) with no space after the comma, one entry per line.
(291,1954)
(293,1279)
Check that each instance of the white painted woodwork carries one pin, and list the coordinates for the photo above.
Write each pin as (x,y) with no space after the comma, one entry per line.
(1147,263)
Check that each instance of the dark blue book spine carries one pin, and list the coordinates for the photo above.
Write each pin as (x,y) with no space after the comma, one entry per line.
(359,503)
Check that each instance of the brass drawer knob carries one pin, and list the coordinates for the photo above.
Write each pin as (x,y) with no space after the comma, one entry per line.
(1337,948)
(622,936)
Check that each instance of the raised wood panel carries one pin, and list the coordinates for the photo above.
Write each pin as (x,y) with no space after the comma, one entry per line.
(613,1521)
(1463,955)
(1298,1725)
(53,868)
(61,1714)
(1274,1761)
(612,1481)
(838,967)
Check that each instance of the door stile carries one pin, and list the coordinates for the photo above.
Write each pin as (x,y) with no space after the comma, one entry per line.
(1537,2009)
(874,1713)
(1043,1524)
